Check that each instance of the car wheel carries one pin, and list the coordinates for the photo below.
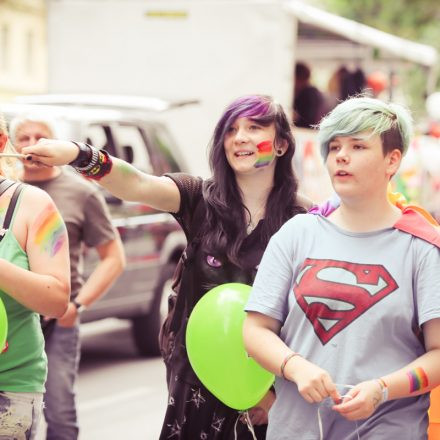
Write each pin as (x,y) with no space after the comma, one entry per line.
(146,328)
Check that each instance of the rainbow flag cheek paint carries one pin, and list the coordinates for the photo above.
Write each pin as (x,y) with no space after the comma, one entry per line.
(265,154)
(50,235)
(417,379)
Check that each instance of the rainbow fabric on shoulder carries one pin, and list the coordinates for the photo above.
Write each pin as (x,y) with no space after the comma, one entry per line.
(414,220)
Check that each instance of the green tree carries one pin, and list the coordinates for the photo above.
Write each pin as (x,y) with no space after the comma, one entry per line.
(416,20)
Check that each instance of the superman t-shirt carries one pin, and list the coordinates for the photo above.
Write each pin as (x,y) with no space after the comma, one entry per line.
(352,303)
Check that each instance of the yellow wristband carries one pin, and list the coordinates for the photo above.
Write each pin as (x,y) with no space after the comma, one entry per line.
(287,359)
(383,388)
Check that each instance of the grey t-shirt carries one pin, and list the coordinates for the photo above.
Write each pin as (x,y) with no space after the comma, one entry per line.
(352,303)
(86,216)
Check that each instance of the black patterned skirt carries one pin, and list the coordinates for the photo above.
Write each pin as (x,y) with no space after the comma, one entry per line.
(193,413)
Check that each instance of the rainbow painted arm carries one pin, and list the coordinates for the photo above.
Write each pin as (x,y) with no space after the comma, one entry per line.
(421,375)
(418,377)
(43,286)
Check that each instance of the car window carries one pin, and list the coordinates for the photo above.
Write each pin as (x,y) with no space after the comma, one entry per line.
(161,148)
(165,149)
(132,147)
(100,136)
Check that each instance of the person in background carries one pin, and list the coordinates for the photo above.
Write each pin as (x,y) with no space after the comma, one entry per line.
(343,84)
(34,279)
(88,223)
(352,82)
(346,303)
(309,103)
(228,220)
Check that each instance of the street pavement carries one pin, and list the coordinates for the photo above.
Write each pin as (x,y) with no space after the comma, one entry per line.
(120,396)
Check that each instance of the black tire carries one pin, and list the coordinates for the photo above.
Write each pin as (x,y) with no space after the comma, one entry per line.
(145,328)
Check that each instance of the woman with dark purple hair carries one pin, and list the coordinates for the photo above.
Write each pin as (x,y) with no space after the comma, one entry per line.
(228,220)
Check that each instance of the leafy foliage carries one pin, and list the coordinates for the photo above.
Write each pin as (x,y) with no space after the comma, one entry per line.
(416,20)
(413,19)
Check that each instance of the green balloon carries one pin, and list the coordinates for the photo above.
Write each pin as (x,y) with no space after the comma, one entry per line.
(3,325)
(214,343)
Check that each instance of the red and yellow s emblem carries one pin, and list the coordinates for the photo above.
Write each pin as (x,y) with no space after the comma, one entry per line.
(334,293)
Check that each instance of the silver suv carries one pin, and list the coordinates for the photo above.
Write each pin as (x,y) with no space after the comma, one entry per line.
(128,128)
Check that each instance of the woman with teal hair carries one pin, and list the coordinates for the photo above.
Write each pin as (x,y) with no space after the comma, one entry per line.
(366,114)
(345,307)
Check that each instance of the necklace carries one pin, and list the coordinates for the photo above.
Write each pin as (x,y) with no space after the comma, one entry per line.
(251,225)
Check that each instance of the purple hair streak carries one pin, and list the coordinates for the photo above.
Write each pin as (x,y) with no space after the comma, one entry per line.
(257,107)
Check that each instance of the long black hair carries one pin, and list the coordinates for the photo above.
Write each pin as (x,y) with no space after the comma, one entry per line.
(225,227)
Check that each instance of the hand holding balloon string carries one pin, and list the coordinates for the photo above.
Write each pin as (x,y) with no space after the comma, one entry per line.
(313,382)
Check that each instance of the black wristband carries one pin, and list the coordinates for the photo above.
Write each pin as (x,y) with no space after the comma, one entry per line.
(84,156)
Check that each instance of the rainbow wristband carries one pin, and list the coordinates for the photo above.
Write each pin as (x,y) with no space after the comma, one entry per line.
(100,168)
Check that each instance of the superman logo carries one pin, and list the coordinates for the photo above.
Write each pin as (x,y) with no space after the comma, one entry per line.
(333,293)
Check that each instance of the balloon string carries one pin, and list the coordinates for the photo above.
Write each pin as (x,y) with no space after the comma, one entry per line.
(321,431)
(248,423)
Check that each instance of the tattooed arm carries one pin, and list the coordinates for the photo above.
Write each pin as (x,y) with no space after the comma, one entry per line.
(124,181)
(39,229)
(418,377)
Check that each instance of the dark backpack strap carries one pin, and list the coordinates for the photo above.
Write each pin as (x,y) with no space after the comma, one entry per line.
(5,184)
(11,206)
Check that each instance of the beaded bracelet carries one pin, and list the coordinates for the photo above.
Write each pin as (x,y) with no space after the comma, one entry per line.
(287,359)
(91,162)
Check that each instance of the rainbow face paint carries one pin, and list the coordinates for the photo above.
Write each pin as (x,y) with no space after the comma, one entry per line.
(265,154)
(417,379)
(50,234)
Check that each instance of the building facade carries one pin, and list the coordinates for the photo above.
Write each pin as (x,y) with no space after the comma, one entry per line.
(23,47)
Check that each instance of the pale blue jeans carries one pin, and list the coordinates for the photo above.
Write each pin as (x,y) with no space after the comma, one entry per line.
(63,353)
(19,415)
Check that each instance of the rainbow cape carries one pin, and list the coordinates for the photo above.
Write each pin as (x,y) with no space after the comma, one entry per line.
(414,220)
